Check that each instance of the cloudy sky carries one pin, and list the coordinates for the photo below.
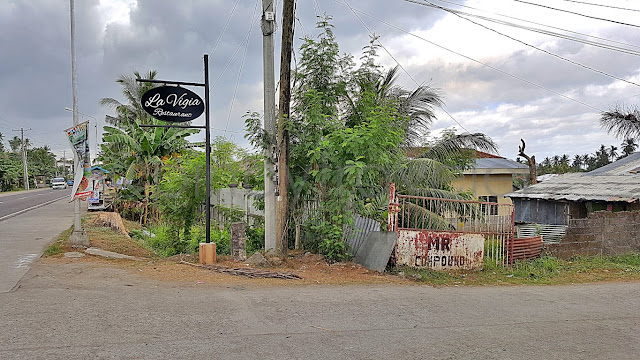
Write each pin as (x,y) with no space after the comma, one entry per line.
(490,83)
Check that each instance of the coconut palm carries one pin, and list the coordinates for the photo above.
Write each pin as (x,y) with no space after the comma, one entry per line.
(613,152)
(131,151)
(623,123)
(577,162)
(628,146)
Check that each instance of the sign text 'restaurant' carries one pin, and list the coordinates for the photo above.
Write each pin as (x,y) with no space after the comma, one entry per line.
(172,103)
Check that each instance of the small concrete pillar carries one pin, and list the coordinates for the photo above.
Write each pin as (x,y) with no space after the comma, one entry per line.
(238,241)
(207,252)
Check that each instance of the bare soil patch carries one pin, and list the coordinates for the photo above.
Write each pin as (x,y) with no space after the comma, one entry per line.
(105,232)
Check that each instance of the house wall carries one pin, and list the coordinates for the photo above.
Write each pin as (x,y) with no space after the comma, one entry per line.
(541,211)
(601,233)
(487,185)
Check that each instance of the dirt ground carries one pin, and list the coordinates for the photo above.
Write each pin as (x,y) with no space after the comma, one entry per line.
(313,269)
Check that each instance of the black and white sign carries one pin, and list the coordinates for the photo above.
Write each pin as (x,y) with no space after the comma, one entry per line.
(172,103)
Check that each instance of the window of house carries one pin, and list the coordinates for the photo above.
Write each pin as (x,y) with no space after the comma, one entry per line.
(489,209)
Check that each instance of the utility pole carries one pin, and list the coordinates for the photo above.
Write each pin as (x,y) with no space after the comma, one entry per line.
(25,170)
(268,28)
(283,116)
(78,236)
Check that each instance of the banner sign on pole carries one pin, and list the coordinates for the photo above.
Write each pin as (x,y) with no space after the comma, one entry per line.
(172,103)
(79,139)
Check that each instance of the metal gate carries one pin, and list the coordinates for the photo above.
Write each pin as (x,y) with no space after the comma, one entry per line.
(447,234)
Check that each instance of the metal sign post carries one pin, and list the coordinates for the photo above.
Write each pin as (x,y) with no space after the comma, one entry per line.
(206,129)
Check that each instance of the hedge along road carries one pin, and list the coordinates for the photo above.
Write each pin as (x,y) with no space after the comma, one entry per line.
(24,236)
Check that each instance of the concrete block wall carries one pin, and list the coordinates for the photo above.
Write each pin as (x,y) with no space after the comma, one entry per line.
(601,233)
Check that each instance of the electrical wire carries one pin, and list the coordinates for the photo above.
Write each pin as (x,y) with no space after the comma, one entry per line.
(576,13)
(537,23)
(606,6)
(396,60)
(538,30)
(530,45)
(244,55)
(246,39)
(224,28)
(476,61)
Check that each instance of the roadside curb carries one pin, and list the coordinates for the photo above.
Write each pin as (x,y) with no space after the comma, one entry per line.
(32,208)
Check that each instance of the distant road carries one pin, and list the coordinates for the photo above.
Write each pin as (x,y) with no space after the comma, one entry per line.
(15,202)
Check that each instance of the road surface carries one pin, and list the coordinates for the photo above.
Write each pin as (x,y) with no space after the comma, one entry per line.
(14,202)
(23,237)
(78,310)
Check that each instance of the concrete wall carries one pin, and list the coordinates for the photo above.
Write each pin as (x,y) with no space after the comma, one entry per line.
(238,198)
(601,233)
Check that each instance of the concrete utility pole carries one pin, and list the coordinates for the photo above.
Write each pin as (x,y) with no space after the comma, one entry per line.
(268,28)
(283,116)
(25,170)
(78,236)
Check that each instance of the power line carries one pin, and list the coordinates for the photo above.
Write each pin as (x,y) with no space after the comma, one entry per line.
(576,13)
(530,45)
(246,39)
(538,30)
(396,60)
(541,24)
(244,55)
(606,6)
(224,28)
(477,61)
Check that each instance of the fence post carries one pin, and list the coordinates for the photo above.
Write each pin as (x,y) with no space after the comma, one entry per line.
(238,241)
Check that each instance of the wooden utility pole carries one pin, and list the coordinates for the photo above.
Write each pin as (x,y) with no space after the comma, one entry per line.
(282,212)
(531,160)
(269,88)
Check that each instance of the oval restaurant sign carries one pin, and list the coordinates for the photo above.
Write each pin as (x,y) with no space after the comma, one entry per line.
(172,103)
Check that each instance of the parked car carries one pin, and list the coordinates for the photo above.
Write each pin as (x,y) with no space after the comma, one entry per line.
(58,183)
(70,182)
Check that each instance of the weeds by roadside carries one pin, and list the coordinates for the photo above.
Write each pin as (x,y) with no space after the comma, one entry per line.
(543,270)
(58,246)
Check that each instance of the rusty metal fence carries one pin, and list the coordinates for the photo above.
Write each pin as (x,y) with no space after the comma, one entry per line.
(441,222)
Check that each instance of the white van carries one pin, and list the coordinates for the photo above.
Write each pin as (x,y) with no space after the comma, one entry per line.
(58,183)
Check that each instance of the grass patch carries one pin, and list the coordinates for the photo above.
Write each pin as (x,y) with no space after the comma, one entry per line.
(544,270)
(58,246)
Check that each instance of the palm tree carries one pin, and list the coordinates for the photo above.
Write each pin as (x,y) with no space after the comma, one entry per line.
(416,107)
(577,162)
(131,111)
(613,153)
(129,150)
(628,146)
(1,143)
(623,123)
(17,144)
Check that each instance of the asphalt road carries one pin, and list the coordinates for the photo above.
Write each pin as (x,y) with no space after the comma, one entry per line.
(14,202)
(79,311)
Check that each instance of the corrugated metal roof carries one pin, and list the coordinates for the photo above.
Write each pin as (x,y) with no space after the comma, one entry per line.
(624,166)
(497,166)
(584,187)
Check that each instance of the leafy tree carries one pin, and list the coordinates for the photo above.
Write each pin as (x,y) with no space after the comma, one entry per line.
(348,128)
(133,152)
(182,190)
